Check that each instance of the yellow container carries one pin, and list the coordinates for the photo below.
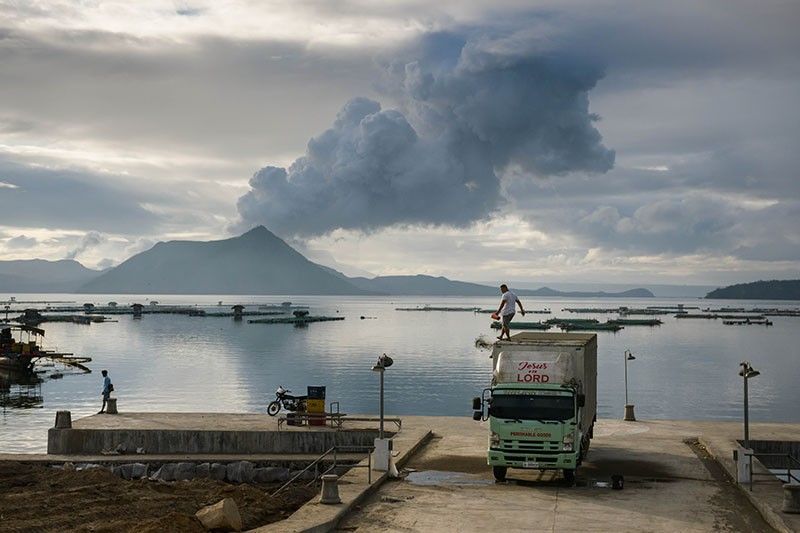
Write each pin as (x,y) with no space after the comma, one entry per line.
(315,406)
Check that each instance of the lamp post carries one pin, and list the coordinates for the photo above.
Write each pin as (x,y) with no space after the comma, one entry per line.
(747,372)
(629,416)
(383,446)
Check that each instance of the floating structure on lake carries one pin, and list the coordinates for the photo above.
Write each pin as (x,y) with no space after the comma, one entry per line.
(747,322)
(714,316)
(590,327)
(531,312)
(523,325)
(20,354)
(636,322)
(429,308)
(559,321)
(298,320)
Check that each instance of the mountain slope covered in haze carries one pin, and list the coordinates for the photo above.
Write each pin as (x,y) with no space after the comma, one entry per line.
(257,262)
(788,289)
(440,286)
(38,275)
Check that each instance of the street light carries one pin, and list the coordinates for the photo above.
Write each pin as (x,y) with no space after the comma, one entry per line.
(747,372)
(383,446)
(629,416)
(384,362)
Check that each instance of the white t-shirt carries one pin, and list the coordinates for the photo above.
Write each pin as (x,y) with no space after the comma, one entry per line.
(511,303)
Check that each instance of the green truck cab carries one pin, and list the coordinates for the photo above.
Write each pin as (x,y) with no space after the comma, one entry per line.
(542,402)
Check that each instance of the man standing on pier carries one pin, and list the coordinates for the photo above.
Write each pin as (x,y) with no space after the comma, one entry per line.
(507,310)
(107,388)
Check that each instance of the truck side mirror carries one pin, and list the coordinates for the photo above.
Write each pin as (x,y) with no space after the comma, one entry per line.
(477,415)
(581,400)
(477,404)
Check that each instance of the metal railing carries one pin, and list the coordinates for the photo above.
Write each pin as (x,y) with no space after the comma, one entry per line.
(336,419)
(791,460)
(332,452)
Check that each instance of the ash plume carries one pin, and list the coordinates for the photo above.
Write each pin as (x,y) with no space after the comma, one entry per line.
(467,109)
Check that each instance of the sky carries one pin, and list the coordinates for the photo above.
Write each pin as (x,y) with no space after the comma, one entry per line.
(583,141)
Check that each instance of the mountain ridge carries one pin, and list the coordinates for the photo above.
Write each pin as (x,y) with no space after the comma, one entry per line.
(787,289)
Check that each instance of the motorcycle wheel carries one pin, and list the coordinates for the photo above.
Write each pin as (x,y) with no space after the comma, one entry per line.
(273,408)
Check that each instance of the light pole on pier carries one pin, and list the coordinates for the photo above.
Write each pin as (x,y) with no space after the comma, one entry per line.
(629,416)
(383,446)
(747,372)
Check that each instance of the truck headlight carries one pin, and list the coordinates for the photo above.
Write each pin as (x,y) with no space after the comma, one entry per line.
(568,442)
(494,439)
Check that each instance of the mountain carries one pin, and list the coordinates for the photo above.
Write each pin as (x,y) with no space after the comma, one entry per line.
(38,275)
(441,286)
(422,285)
(257,262)
(788,289)
(548,292)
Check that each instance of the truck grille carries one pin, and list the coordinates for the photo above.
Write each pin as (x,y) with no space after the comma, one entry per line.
(525,446)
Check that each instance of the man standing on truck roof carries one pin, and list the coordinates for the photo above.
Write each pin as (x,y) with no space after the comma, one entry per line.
(507,310)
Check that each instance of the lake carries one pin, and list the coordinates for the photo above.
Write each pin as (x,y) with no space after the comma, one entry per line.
(684,369)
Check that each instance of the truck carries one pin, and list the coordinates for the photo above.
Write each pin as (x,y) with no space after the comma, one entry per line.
(542,402)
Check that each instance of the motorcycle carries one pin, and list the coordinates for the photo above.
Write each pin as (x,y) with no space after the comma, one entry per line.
(287,401)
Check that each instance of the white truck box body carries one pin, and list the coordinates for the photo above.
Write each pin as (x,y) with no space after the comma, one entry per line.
(537,358)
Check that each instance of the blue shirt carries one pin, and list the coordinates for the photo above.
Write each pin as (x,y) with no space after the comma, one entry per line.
(106,384)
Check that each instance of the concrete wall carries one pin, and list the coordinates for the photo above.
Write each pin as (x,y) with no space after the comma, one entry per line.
(164,441)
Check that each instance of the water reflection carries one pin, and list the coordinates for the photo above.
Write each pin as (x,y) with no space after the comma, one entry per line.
(20,390)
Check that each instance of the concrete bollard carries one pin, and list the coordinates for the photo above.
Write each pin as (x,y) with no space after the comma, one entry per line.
(63,420)
(791,499)
(629,416)
(330,489)
(111,406)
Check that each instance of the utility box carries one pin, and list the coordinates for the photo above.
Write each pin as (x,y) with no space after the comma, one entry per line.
(315,405)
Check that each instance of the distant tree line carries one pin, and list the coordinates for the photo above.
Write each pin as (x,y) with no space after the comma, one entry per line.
(787,289)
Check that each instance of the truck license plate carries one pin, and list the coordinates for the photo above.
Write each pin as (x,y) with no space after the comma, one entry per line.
(530,464)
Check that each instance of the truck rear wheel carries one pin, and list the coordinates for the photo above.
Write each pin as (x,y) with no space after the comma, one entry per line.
(569,475)
(499,472)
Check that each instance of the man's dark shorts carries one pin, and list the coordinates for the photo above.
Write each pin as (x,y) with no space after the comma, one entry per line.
(106,395)
(507,319)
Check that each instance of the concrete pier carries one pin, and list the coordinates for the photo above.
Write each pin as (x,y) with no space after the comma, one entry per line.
(200,433)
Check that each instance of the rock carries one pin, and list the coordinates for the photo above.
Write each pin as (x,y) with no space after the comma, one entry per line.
(130,471)
(165,473)
(240,472)
(121,448)
(270,474)
(138,470)
(222,516)
(218,471)
(87,466)
(203,470)
(141,451)
(184,471)
(69,466)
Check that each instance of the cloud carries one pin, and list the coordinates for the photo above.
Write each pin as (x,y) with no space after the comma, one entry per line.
(90,240)
(21,241)
(469,109)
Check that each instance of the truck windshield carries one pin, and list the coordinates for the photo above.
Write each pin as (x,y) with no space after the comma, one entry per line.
(532,407)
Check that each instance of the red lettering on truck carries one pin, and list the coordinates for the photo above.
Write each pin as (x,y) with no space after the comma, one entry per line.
(533,378)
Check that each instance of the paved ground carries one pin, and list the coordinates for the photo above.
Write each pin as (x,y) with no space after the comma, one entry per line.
(670,485)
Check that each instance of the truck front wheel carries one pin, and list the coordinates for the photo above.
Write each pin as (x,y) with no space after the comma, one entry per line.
(569,475)
(499,472)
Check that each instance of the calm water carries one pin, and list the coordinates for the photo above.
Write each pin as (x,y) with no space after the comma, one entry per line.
(684,369)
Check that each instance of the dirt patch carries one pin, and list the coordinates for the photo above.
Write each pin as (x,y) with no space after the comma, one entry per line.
(40,498)
(467,464)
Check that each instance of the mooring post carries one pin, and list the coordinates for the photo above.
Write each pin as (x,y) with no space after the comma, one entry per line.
(330,490)
(63,420)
